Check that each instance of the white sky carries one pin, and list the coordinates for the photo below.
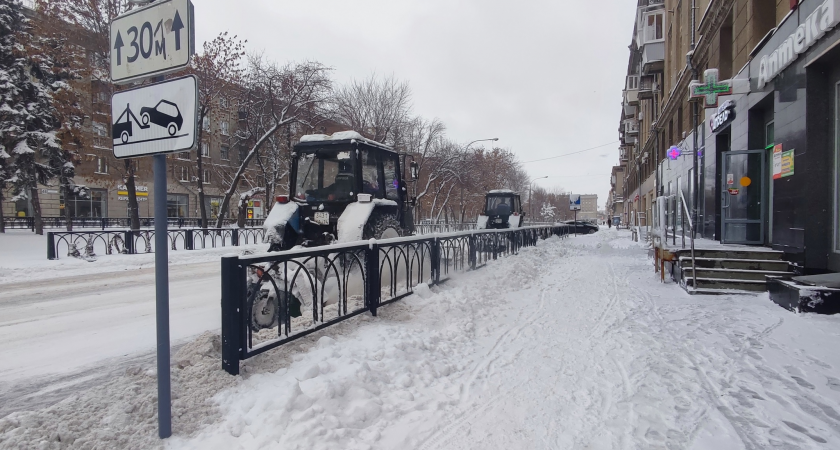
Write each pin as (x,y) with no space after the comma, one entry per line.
(545,77)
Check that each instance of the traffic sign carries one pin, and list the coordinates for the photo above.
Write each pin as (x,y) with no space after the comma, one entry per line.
(574,202)
(153,40)
(158,118)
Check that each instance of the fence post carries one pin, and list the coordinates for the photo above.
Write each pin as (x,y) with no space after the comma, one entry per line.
(495,246)
(188,240)
(50,246)
(234,237)
(232,313)
(435,261)
(473,258)
(372,281)
(128,242)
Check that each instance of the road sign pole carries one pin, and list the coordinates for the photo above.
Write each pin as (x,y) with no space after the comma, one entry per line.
(162,299)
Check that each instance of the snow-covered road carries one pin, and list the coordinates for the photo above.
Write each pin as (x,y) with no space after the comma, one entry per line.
(572,344)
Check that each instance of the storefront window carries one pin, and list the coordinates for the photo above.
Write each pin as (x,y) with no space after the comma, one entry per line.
(177,205)
(93,205)
(211,205)
(837,168)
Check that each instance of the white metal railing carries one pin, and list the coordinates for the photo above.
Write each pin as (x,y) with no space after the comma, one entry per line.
(691,236)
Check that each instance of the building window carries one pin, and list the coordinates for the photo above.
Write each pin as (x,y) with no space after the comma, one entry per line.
(99,129)
(177,205)
(225,152)
(223,103)
(225,128)
(184,173)
(654,27)
(211,206)
(184,155)
(205,149)
(95,204)
(242,154)
(101,165)
(206,177)
(205,123)
(769,134)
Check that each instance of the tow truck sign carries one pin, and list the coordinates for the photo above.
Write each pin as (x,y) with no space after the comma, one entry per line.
(153,40)
(158,118)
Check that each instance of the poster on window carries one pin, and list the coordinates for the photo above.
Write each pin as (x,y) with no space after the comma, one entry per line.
(777,162)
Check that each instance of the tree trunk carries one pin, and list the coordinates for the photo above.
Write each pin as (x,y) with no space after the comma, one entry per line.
(202,208)
(36,210)
(65,185)
(2,220)
(133,209)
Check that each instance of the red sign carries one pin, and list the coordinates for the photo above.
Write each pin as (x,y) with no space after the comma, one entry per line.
(637,198)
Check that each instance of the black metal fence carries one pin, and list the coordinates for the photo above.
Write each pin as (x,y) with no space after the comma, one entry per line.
(91,243)
(271,299)
(116,222)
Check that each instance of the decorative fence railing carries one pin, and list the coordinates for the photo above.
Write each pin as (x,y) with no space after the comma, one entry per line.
(91,243)
(116,222)
(271,299)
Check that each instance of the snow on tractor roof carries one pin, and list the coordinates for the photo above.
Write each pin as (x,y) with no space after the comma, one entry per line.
(342,136)
(501,191)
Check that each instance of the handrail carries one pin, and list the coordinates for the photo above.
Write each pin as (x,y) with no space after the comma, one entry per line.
(691,230)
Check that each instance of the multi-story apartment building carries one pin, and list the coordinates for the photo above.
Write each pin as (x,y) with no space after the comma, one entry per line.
(765,76)
(588,207)
(614,208)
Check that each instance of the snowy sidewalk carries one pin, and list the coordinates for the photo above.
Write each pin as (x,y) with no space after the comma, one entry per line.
(572,344)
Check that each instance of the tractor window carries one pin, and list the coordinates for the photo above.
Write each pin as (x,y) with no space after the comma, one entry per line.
(499,206)
(371,180)
(516,207)
(392,182)
(326,175)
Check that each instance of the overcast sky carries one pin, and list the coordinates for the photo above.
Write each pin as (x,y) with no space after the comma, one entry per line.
(545,77)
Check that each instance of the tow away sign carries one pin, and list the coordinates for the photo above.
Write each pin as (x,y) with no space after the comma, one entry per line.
(152,40)
(158,118)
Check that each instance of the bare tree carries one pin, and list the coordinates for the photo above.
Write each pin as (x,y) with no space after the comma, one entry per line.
(376,108)
(219,73)
(272,97)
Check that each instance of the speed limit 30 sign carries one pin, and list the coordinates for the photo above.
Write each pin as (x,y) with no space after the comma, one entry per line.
(152,40)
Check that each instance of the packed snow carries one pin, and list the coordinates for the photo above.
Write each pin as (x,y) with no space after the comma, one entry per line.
(341,136)
(570,344)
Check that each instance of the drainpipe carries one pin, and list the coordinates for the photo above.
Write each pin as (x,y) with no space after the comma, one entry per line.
(694,76)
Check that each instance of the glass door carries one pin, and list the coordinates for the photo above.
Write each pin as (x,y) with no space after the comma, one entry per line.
(742,207)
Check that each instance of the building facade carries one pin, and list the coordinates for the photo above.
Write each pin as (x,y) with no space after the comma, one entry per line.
(588,207)
(763,78)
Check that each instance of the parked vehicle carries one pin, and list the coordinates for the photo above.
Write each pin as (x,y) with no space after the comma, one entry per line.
(581,227)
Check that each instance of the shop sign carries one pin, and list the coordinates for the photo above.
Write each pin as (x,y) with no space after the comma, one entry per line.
(674,153)
(822,20)
(734,191)
(723,117)
(711,88)
(141,192)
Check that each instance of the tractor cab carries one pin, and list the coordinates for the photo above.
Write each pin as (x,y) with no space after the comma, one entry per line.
(343,188)
(502,209)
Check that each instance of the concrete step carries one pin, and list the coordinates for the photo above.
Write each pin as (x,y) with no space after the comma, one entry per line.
(733,274)
(729,284)
(770,255)
(736,264)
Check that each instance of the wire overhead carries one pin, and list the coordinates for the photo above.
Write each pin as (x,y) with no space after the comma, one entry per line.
(573,153)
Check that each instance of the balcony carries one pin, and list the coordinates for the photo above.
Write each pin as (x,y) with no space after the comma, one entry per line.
(629,110)
(653,57)
(647,86)
(631,127)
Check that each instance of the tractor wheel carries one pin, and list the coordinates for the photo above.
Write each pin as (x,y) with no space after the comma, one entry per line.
(382,226)
(265,311)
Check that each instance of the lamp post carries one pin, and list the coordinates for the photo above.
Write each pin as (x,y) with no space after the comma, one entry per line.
(479,140)
(531,183)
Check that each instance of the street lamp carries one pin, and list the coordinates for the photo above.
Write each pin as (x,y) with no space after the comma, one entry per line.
(530,208)
(479,140)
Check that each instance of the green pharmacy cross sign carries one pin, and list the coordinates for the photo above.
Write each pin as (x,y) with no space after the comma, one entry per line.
(711,89)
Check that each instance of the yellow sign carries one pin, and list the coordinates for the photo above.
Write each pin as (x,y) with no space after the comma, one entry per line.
(139,194)
(746,181)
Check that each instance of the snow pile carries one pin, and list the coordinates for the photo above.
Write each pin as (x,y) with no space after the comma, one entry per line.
(340,136)
(571,344)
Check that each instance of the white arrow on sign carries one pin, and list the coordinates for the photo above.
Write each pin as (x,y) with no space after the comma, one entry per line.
(158,118)
(153,40)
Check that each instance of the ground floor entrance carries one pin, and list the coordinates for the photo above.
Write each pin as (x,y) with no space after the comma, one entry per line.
(743,190)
